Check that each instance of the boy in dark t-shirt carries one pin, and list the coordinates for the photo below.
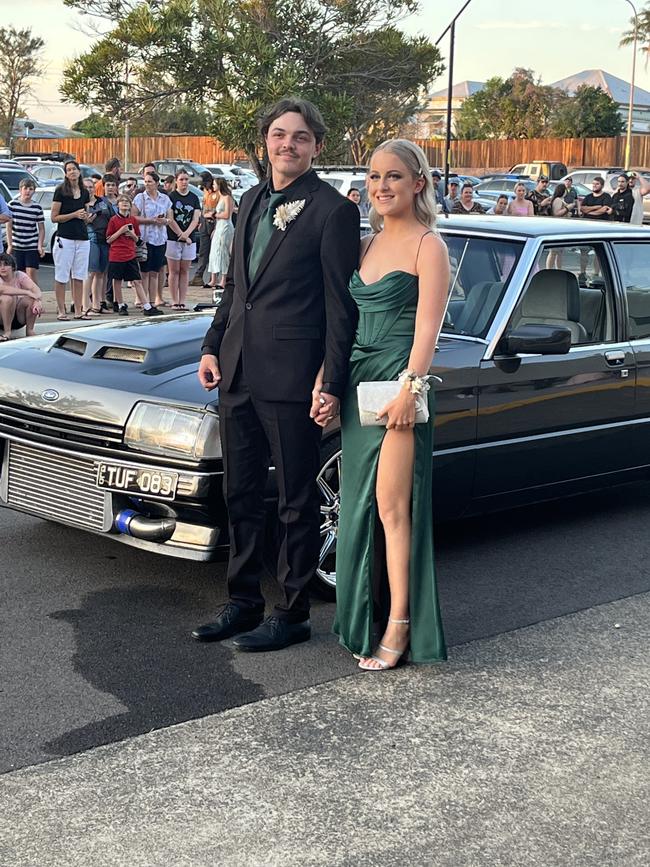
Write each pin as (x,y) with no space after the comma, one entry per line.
(598,204)
(622,201)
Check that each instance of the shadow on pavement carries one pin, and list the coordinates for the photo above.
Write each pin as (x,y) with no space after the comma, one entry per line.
(133,644)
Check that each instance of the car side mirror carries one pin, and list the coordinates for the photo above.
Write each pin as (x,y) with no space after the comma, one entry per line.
(537,340)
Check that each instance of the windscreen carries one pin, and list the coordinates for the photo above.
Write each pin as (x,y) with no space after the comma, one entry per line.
(480,271)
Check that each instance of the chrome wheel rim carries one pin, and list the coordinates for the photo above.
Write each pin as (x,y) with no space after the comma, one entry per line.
(328,481)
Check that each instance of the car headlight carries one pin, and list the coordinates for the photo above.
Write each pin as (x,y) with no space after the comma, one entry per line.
(169,430)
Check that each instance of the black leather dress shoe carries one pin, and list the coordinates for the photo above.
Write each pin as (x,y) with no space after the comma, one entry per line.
(273,634)
(231,621)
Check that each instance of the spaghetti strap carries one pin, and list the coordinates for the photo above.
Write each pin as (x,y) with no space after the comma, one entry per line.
(365,252)
(417,255)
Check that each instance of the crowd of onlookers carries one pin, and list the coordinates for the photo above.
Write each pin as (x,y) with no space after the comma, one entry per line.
(111,232)
(114,232)
(625,205)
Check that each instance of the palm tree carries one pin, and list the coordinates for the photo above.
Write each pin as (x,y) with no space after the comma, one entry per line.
(643,34)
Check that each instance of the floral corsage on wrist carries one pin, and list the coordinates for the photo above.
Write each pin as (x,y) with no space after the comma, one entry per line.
(417,385)
(287,213)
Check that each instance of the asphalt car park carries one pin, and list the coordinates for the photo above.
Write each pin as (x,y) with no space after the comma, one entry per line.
(94,638)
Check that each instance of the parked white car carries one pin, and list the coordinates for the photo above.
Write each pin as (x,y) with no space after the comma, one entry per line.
(221,170)
(43,196)
(246,177)
(346,179)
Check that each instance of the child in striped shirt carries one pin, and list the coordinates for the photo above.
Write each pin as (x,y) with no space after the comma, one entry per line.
(26,231)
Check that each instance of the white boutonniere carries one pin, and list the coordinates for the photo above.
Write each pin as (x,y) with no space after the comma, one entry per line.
(287,213)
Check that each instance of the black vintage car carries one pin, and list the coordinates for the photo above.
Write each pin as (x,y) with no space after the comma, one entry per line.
(545,366)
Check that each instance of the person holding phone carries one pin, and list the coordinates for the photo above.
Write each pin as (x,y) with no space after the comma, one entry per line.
(121,234)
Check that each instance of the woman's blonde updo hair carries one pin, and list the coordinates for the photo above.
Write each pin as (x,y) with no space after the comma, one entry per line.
(416,162)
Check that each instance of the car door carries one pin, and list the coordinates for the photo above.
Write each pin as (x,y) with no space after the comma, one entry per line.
(548,419)
(633,259)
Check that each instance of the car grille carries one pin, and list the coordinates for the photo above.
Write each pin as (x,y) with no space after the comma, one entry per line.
(60,487)
(52,427)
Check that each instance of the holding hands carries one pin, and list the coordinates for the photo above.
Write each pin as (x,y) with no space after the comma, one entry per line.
(324,406)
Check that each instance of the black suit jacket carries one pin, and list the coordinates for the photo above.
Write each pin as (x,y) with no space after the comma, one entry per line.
(297,311)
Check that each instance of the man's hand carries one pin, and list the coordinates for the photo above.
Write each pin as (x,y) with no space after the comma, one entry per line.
(324,407)
(209,373)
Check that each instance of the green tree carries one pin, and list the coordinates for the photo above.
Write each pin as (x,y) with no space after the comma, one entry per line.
(19,66)
(590,113)
(235,57)
(643,34)
(480,115)
(517,107)
(96,126)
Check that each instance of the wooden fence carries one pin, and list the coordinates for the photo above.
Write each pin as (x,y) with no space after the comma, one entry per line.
(472,156)
(96,151)
(501,154)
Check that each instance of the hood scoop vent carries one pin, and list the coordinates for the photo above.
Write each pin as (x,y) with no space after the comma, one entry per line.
(71,344)
(121,353)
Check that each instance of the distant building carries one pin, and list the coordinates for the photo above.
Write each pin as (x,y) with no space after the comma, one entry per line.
(619,91)
(431,120)
(36,129)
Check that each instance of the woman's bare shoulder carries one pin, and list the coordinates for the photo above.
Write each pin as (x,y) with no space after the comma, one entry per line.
(432,243)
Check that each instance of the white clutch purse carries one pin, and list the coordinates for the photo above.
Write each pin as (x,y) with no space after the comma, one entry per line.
(373,396)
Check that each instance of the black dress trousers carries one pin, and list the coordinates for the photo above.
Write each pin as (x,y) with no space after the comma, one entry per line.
(254,431)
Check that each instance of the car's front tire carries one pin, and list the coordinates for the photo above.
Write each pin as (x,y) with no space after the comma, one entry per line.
(329,480)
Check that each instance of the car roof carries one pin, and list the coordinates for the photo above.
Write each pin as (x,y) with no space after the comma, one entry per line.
(537,227)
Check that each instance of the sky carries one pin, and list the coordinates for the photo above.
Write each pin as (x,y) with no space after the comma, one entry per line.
(492,38)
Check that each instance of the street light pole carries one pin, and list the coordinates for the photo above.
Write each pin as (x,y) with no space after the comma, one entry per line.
(451,29)
(628,138)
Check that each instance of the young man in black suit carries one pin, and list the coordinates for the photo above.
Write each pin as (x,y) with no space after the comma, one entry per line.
(278,349)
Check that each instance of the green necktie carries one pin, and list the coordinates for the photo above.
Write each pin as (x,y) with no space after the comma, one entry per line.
(265,229)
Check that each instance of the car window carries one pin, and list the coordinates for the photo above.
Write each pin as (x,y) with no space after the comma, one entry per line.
(634,267)
(570,286)
(358,185)
(480,271)
(167,168)
(12,178)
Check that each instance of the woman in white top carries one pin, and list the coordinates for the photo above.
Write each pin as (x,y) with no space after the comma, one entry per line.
(150,207)
(222,236)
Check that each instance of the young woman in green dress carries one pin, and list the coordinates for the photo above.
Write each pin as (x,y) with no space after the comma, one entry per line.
(385,572)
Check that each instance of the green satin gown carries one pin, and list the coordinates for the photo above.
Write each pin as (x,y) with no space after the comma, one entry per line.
(381,351)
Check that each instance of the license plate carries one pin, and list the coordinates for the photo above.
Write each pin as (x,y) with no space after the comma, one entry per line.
(135,480)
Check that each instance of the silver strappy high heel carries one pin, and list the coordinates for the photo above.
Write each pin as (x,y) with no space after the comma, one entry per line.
(386,666)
